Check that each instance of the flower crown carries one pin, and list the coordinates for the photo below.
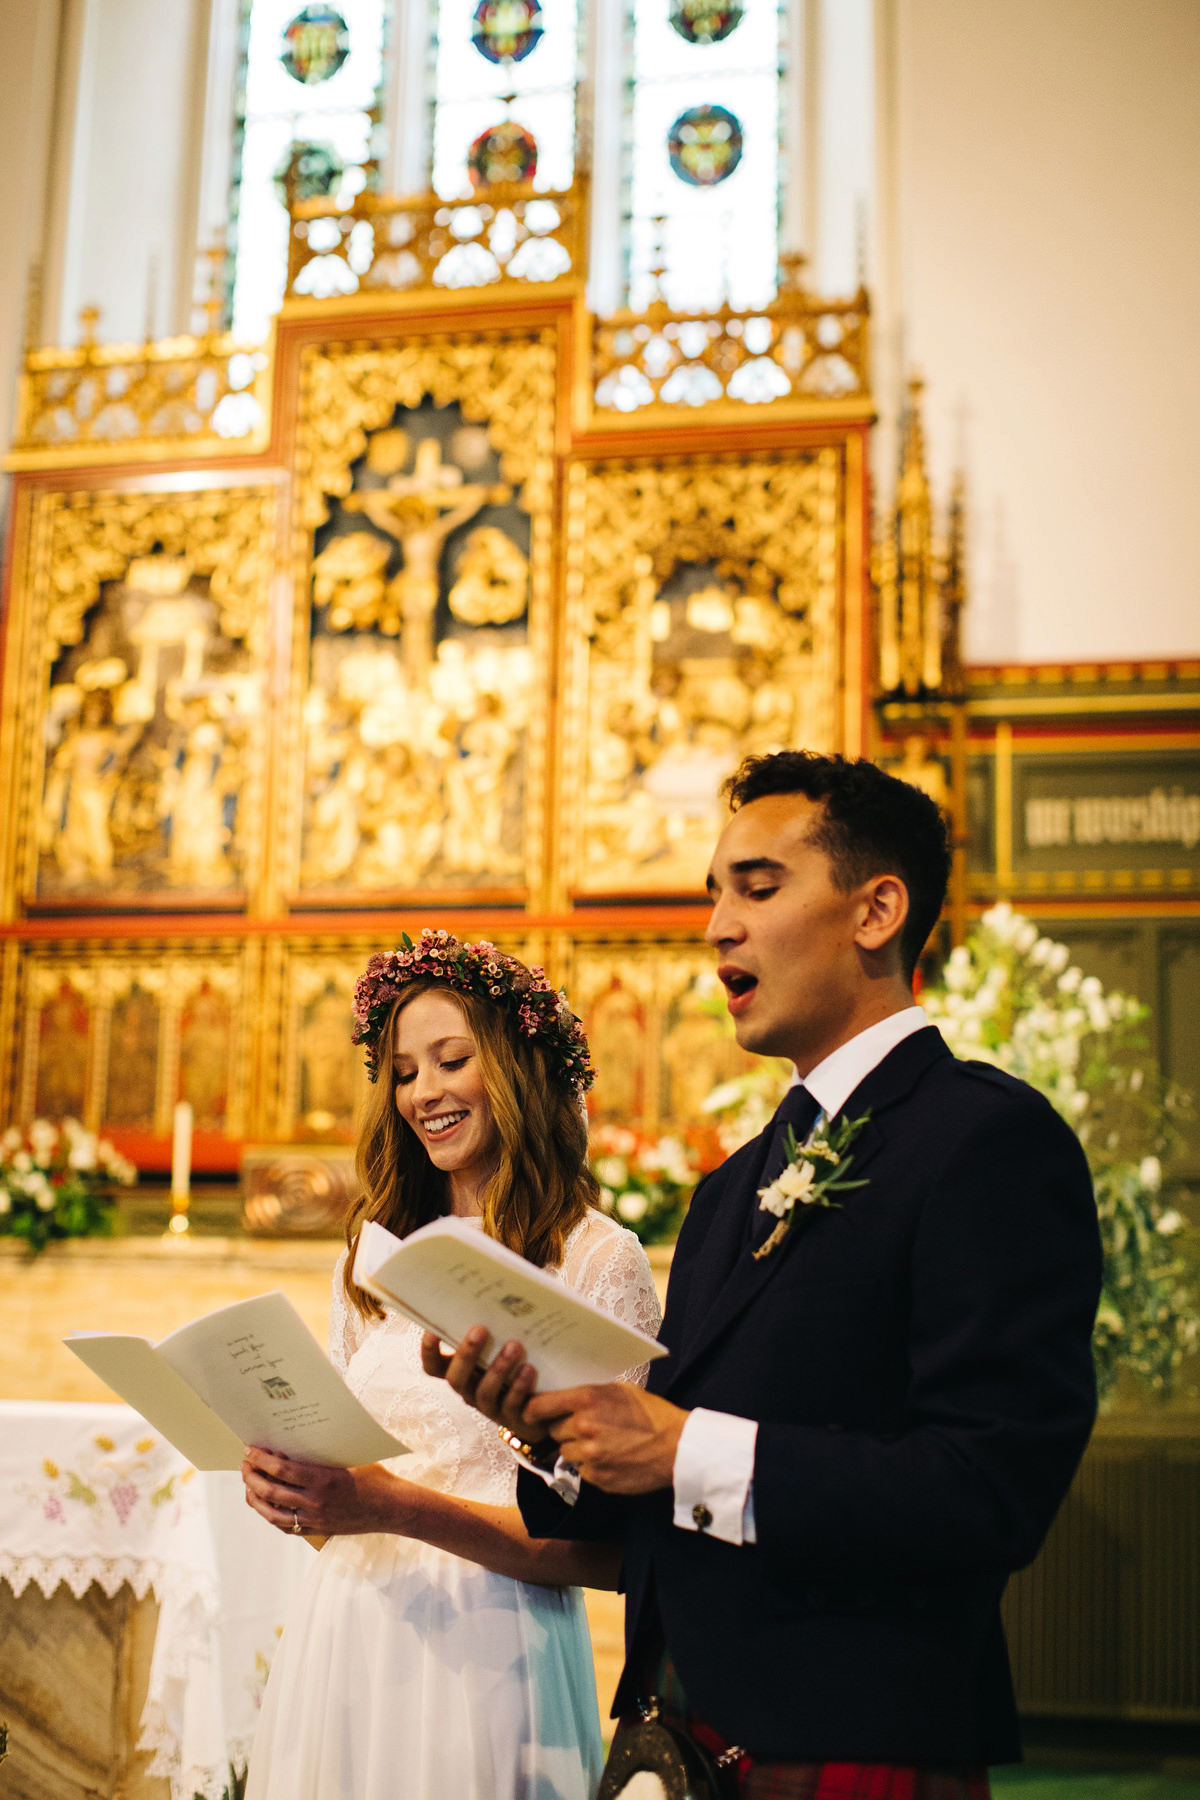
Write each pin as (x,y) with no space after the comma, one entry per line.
(536,1009)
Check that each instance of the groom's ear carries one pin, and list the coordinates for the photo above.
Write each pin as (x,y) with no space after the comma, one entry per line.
(883,913)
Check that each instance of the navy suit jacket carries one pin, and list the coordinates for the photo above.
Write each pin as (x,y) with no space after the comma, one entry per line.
(919,1361)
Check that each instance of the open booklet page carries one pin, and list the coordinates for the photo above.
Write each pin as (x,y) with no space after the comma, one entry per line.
(447,1277)
(250,1373)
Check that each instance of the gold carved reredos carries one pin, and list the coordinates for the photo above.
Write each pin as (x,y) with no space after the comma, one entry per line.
(507,384)
(770,525)
(763,523)
(91,538)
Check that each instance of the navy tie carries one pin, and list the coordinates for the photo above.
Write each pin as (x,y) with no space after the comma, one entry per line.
(799,1109)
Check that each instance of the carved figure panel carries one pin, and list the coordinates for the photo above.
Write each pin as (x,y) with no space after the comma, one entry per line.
(131,1091)
(142,705)
(323,1075)
(421,734)
(206,1046)
(116,1037)
(702,626)
(660,1039)
(61,1038)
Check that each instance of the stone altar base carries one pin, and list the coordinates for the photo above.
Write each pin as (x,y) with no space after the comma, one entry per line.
(73,1679)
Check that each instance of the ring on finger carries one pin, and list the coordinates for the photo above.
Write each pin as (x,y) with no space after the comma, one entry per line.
(297,1528)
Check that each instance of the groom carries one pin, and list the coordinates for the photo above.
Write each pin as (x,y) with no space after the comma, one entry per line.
(858,1435)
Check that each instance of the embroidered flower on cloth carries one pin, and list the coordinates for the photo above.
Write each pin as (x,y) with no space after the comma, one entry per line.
(799,1183)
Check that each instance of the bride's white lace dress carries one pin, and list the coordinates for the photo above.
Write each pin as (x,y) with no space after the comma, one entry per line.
(406,1673)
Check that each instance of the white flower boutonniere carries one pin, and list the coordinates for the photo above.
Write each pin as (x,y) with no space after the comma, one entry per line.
(813,1172)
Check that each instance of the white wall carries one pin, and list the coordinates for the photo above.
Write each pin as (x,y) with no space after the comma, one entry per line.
(1038,260)
(27,77)
(126,175)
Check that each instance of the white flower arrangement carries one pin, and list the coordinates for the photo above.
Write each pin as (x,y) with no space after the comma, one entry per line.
(646,1183)
(56,1182)
(1012,997)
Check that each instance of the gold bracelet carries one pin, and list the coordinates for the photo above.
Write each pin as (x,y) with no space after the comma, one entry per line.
(536,1455)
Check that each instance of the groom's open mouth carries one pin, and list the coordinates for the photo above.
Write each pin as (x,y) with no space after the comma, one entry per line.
(738,987)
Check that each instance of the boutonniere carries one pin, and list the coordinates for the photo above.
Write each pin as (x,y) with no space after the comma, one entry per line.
(812,1173)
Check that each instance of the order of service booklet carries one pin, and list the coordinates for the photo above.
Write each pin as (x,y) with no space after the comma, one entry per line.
(250,1373)
(448,1276)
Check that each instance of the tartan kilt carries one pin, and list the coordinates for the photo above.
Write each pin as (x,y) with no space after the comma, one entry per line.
(857,1781)
(764,1778)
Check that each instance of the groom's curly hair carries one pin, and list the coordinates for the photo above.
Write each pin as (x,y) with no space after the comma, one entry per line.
(871,824)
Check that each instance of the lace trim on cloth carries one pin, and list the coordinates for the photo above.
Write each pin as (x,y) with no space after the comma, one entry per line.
(109,1573)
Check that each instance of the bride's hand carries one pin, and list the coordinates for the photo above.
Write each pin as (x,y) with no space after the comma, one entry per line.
(308,1499)
(500,1392)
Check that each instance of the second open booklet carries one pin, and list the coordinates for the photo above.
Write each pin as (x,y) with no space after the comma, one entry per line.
(249,1373)
(448,1276)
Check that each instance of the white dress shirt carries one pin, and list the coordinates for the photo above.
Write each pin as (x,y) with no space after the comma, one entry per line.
(714,1462)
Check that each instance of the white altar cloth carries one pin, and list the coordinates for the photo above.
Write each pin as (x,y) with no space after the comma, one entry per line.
(92,1493)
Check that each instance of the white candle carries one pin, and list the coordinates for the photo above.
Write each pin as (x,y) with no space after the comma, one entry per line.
(181,1152)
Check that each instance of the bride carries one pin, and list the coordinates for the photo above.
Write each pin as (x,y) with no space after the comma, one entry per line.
(435,1649)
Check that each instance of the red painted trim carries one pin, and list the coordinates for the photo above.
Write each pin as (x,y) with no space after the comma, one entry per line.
(212,1152)
(669,919)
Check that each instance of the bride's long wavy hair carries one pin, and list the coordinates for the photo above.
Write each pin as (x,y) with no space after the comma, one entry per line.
(541,1186)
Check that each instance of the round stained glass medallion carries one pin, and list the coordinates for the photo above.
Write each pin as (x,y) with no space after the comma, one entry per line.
(505,152)
(315,45)
(704,21)
(705,145)
(312,171)
(505,31)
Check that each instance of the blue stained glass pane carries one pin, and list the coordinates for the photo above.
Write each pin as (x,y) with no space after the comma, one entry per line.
(507,31)
(315,45)
(472,93)
(332,114)
(719,239)
(704,21)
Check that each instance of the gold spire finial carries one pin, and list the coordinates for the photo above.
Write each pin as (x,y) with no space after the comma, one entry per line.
(214,305)
(954,589)
(33,307)
(792,264)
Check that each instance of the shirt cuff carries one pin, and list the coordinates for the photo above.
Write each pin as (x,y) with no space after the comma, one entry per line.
(714,1474)
(563,1479)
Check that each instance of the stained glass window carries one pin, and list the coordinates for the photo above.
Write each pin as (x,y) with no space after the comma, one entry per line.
(504,93)
(703,173)
(311,76)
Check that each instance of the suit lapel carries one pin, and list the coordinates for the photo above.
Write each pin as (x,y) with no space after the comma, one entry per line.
(728,1278)
(724,1238)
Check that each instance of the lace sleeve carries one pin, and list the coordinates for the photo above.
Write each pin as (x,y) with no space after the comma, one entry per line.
(346,1327)
(606,1263)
